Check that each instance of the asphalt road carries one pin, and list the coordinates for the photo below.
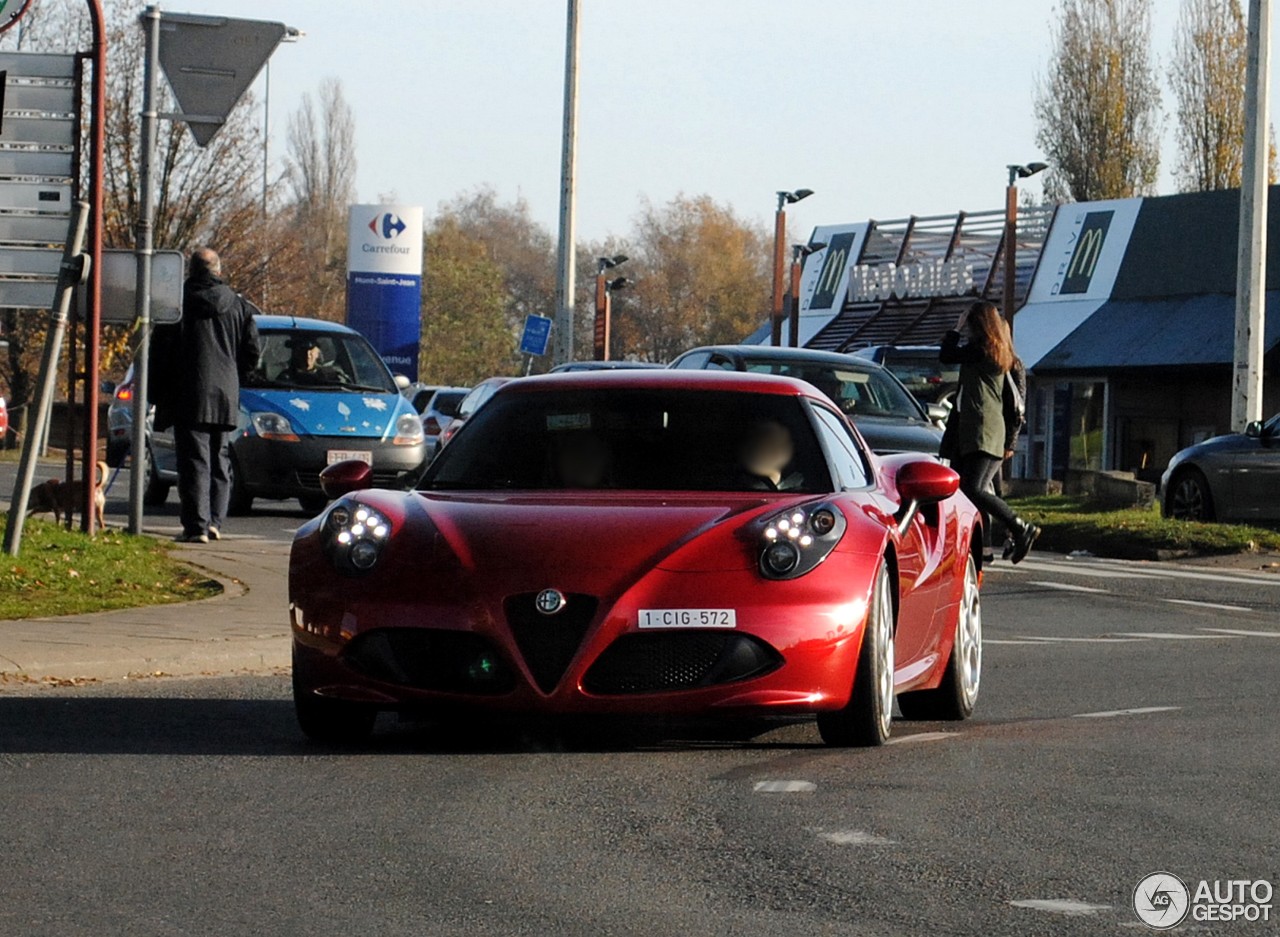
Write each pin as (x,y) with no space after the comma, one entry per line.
(1120,731)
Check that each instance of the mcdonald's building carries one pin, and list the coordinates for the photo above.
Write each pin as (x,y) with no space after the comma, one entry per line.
(1125,315)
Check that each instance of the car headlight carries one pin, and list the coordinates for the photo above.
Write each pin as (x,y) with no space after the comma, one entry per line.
(273,426)
(797,541)
(355,535)
(408,430)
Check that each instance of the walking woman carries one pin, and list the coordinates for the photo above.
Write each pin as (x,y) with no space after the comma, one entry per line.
(975,437)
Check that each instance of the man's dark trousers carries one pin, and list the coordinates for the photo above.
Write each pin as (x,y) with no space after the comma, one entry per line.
(204,476)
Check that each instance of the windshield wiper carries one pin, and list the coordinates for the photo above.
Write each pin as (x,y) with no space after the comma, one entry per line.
(362,388)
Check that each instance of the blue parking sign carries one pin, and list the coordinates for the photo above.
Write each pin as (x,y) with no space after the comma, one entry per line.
(536,336)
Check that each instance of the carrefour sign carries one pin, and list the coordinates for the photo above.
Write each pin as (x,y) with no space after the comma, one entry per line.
(384,281)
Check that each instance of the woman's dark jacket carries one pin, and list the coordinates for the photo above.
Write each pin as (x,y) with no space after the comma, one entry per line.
(978,418)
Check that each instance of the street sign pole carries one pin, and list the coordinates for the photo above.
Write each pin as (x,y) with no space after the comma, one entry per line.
(144,249)
(565,251)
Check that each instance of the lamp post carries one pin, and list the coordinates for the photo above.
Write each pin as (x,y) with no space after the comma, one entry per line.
(799,253)
(779,258)
(1016,171)
(604,303)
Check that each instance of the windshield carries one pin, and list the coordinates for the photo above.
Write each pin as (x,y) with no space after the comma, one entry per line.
(857,391)
(927,378)
(446,402)
(319,360)
(627,439)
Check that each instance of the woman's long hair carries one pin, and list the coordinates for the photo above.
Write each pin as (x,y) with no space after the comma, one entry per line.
(989,331)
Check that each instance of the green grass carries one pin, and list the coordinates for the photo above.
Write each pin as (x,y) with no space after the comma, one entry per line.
(62,572)
(1136,533)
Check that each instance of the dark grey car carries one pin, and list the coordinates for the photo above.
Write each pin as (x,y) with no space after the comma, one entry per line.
(886,414)
(1228,478)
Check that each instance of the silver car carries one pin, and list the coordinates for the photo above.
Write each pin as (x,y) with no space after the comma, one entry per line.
(1228,478)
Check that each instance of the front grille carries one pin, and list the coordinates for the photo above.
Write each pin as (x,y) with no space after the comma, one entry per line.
(310,481)
(658,662)
(549,642)
(431,659)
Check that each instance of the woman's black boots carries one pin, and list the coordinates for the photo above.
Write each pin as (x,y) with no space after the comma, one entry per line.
(1024,537)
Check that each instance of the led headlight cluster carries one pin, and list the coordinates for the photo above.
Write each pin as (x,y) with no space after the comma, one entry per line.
(796,542)
(357,536)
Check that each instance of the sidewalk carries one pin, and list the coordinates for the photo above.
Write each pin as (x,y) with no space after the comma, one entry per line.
(245,628)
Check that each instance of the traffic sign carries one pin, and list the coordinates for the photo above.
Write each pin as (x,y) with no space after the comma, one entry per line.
(210,62)
(536,336)
(120,285)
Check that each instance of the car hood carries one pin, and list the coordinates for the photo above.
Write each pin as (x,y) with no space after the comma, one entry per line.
(888,434)
(1231,442)
(330,413)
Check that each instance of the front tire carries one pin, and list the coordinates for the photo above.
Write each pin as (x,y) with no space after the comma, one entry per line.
(241,502)
(956,696)
(157,490)
(1189,497)
(330,721)
(866,721)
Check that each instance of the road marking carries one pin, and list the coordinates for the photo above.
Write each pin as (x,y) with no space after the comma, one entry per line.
(1168,635)
(1030,567)
(1139,711)
(785,787)
(1112,568)
(854,838)
(1066,587)
(921,737)
(1055,640)
(986,641)
(1243,633)
(1212,605)
(1061,906)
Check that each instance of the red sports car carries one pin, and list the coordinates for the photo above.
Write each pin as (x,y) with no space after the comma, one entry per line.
(644,542)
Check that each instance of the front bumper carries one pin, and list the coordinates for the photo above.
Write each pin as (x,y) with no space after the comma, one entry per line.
(270,468)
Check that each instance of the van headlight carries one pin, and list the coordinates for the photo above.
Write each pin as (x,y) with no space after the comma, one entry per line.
(794,543)
(273,426)
(408,430)
(355,536)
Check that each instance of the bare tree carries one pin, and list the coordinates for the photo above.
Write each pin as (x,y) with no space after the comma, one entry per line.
(321,178)
(1099,107)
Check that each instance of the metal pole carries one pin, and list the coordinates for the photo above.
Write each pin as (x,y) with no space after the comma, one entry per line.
(779,261)
(143,249)
(566,252)
(1251,287)
(266,137)
(93,303)
(793,313)
(47,382)
(1010,246)
(601,331)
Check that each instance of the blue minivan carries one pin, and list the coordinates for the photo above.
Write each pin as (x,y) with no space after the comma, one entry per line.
(320,394)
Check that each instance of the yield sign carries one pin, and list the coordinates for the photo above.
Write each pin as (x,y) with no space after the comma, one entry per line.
(210,61)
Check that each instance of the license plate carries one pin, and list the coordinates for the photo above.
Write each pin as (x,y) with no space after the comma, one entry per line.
(344,455)
(688,618)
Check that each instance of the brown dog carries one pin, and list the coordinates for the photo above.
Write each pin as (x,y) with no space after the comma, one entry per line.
(58,497)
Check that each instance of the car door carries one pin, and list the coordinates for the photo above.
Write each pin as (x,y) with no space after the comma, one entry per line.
(1255,475)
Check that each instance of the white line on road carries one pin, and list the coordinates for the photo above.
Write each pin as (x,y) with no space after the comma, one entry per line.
(854,838)
(1046,639)
(986,641)
(785,787)
(1066,587)
(1168,635)
(1114,568)
(1139,711)
(1241,632)
(922,737)
(1061,906)
(1213,605)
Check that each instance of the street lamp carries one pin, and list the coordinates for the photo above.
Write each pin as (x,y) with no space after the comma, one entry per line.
(604,303)
(799,253)
(1016,171)
(779,247)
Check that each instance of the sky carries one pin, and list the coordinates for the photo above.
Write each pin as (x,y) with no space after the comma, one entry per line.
(884,109)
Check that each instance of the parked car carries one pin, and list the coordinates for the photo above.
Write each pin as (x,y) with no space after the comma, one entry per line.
(889,418)
(602,366)
(476,398)
(440,410)
(295,422)
(1228,478)
(419,394)
(643,543)
(919,369)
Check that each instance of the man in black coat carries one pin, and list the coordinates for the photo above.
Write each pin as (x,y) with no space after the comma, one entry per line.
(199,364)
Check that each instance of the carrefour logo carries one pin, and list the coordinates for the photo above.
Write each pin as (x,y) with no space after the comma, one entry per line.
(387,226)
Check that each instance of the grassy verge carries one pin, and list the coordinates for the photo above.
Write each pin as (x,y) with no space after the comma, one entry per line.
(1073,524)
(63,572)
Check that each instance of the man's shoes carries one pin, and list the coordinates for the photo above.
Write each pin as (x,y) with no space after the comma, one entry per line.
(1024,537)
(192,538)
(214,533)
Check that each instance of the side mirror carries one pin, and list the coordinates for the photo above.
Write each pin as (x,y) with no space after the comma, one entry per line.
(402,382)
(926,482)
(1254,430)
(938,413)
(345,477)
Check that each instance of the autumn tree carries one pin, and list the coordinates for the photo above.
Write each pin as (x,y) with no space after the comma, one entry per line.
(1207,76)
(465,333)
(1098,109)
